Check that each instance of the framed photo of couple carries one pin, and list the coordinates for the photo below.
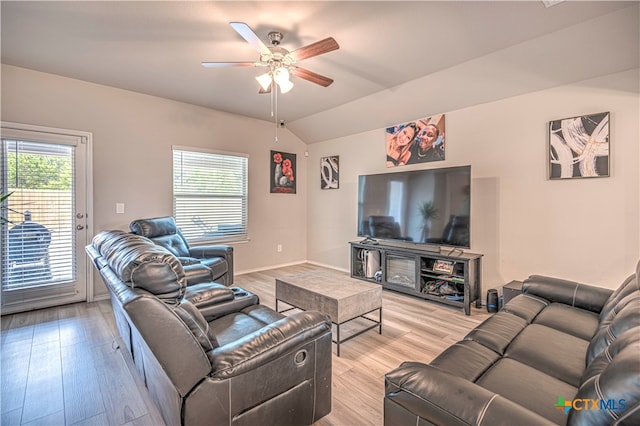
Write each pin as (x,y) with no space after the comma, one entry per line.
(418,141)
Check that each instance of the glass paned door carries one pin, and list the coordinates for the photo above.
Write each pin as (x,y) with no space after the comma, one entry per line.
(43,231)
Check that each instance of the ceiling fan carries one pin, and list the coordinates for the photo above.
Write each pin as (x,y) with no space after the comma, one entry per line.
(280,62)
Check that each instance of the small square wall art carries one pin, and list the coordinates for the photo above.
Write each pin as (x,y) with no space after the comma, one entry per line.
(579,147)
(283,173)
(329,168)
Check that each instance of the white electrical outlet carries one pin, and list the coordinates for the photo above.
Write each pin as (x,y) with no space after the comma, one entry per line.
(279,248)
(119,208)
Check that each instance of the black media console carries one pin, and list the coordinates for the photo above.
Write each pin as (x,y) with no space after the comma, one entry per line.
(454,279)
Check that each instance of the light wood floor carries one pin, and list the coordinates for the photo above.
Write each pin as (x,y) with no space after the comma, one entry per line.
(64,365)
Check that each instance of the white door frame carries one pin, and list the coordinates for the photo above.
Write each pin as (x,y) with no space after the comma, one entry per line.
(88,137)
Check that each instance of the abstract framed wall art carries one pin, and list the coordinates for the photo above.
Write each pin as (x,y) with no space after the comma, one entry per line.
(283,173)
(579,147)
(418,141)
(329,172)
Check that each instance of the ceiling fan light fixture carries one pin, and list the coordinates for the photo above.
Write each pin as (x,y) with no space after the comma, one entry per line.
(281,75)
(285,86)
(264,80)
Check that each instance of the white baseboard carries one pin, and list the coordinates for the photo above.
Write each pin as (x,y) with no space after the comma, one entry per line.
(327,266)
(266,268)
(99,297)
(282,265)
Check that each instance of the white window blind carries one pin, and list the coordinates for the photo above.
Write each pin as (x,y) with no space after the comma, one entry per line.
(39,237)
(210,194)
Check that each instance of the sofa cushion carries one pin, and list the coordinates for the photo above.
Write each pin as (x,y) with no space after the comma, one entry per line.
(233,326)
(553,352)
(522,384)
(526,306)
(466,359)
(262,313)
(577,322)
(497,331)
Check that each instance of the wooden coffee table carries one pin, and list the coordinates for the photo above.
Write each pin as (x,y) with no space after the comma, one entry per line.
(342,298)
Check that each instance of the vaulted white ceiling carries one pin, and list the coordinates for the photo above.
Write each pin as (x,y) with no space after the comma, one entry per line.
(397,60)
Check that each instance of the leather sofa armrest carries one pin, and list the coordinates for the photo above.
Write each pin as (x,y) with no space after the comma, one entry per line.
(197,274)
(443,398)
(571,293)
(215,300)
(268,343)
(211,251)
(224,251)
(98,261)
(207,294)
(240,300)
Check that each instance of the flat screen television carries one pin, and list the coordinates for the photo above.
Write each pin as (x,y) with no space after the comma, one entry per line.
(419,206)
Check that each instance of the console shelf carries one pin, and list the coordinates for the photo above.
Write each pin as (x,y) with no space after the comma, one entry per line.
(451,279)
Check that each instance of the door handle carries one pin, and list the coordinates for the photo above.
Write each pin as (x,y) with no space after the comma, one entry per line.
(79,227)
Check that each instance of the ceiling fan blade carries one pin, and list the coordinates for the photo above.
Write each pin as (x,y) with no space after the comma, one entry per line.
(315,49)
(228,64)
(247,33)
(312,76)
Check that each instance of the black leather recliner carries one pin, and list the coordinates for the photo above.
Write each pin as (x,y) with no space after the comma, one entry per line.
(203,263)
(241,364)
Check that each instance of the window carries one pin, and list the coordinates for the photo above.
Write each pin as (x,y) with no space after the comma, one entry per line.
(210,193)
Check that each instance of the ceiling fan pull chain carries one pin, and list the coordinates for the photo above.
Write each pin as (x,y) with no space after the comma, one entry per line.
(275,96)
(272,94)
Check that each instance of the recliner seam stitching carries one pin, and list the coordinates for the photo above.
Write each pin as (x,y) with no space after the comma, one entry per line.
(598,390)
(485,408)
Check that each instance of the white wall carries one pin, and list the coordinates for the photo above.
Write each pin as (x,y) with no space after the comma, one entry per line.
(523,223)
(132,159)
(584,229)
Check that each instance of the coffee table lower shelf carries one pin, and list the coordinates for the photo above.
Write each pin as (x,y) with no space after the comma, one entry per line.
(338,340)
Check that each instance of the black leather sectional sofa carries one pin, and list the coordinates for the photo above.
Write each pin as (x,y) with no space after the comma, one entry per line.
(560,353)
(211,354)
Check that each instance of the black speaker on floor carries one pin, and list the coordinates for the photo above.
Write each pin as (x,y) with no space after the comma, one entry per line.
(492,300)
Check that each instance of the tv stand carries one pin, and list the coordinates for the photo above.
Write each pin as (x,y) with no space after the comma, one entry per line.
(454,278)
